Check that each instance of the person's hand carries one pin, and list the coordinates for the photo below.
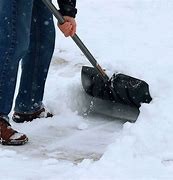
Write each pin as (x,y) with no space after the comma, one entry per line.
(69,26)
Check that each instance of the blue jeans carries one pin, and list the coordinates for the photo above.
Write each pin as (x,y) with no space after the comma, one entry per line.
(26,33)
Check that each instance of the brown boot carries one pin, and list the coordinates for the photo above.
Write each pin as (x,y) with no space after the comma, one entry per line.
(9,136)
(22,117)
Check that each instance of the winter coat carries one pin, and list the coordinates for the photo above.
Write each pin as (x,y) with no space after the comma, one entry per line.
(67,7)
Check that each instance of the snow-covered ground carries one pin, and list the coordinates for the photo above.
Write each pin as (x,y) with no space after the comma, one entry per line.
(134,37)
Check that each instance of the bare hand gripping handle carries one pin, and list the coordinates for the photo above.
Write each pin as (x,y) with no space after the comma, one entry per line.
(77,40)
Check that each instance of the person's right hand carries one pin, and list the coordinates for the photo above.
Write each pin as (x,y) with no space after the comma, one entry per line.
(68,27)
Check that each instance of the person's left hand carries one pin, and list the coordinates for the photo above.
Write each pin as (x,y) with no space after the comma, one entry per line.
(69,26)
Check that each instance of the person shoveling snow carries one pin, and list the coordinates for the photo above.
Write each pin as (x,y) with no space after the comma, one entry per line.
(27,33)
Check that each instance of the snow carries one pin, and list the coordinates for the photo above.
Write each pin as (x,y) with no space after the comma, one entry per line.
(129,36)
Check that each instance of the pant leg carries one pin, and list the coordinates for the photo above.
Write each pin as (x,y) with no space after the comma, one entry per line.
(15,20)
(36,62)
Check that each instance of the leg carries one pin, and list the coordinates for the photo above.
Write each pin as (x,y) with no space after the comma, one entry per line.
(15,20)
(36,62)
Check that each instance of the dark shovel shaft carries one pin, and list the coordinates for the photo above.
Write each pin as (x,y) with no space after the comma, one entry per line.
(77,40)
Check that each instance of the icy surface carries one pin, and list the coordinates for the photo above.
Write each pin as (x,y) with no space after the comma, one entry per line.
(134,37)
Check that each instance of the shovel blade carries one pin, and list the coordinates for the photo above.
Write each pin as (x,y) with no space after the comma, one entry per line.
(128,90)
(94,85)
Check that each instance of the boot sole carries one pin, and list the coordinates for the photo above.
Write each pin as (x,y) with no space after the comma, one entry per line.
(15,142)
(22,120)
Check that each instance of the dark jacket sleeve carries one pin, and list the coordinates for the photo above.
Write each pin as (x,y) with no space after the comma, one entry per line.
(67,7)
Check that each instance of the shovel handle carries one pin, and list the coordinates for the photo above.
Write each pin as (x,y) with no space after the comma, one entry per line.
(77,40)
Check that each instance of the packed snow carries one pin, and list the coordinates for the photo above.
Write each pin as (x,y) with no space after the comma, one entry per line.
(134,37)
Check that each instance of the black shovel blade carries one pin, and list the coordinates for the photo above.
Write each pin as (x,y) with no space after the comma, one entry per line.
(127,90)
(94,85)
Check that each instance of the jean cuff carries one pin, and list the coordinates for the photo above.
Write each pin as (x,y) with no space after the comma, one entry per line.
(31,111)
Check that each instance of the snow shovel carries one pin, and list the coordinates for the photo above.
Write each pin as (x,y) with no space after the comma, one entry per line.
(120,88)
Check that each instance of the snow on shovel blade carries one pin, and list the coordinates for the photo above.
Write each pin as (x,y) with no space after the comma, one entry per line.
(128,90)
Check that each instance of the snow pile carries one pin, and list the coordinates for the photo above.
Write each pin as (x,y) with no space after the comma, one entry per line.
(142,42)
(131,36)
(137,40)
